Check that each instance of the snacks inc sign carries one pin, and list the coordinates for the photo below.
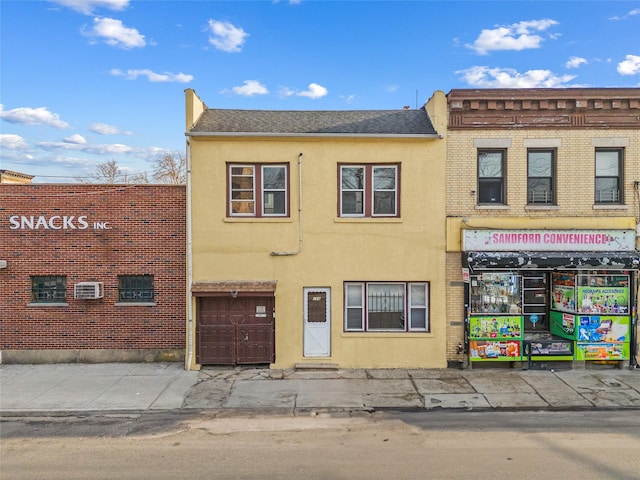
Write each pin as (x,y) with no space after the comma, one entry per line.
(54,222)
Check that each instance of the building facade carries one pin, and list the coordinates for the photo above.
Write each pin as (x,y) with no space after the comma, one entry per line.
(543,208)
(92,273)
(316,237)
(8,176)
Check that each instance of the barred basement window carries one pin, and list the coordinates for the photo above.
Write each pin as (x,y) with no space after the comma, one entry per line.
(375,306)
(49,289)
(135,288)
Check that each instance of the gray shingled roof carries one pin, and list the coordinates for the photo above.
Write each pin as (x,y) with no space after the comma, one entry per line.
(315,122)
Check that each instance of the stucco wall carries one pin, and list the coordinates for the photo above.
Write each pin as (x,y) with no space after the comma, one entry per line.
(334,250)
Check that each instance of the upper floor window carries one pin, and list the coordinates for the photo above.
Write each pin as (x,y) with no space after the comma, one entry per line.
(258,190)
(398,306)
(49,289)
(135,288)
(609,170)
(491,176)
(369,190)
(541,177)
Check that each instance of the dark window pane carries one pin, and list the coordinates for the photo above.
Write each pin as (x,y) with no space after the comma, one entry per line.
(384,203)
(49,289)
(135,288)
(352,203)
(274,203)
(490,191)
(540,190)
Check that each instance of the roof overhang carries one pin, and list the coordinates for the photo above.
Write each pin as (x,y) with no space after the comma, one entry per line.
(551,260)
(433,136)
(233,288)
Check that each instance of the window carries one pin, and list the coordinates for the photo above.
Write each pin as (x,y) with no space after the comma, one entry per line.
(49,289)
(258,190)
(369,190)
(609,176)
(491,176)
(135,288)
(540,177)
(394,307)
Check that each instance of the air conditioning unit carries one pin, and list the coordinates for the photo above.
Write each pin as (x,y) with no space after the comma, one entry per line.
(88,290)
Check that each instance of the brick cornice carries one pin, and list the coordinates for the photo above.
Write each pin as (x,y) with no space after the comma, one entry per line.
(544,108)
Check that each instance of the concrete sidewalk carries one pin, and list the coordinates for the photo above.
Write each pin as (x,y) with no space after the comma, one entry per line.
(60,388)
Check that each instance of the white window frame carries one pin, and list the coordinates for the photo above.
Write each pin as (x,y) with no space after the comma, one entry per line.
(361,306)
(374,190)
(265,190)
(258,190)
(231,189)
(363,190)
(409,306)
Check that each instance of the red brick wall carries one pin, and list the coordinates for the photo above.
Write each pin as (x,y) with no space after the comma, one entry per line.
(146,234)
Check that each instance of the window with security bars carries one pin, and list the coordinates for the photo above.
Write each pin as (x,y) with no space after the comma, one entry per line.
(135,288)
(608,179)
(374,306)
(49,289)
(541,177)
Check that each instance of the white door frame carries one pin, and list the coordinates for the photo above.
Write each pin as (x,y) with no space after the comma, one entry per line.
(317,333)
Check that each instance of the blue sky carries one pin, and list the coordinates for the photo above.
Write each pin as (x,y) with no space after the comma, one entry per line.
(83,82)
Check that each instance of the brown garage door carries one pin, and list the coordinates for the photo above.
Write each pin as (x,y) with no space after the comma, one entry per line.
(235,331)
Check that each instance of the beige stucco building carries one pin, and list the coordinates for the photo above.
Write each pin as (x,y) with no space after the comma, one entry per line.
(315,237)
(543,214)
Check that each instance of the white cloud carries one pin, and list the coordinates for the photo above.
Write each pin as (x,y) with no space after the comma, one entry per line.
(116,34)
(486,77)
(77,139)
(12,142)
(314,91)
(226,36)
(630,66)
(99,149)
(152,76)
(517,36)
(286,92)
(105,129)
(33,116)
(635,11)
(575,62)
(250,88)
(88,6)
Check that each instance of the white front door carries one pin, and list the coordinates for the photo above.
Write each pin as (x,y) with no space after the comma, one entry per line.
(317,322)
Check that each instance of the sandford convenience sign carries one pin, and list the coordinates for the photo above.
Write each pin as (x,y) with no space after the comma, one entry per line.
(54,222)
(548,240)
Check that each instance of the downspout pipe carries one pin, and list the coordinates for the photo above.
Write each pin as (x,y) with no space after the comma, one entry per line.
(288,254)
(190,327)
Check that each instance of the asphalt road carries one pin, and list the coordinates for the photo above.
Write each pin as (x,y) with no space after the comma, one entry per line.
(390,445)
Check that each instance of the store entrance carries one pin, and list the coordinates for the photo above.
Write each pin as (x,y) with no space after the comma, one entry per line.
(535,301)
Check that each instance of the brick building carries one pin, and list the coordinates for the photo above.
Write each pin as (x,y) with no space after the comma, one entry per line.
(92,272)
(543,218)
